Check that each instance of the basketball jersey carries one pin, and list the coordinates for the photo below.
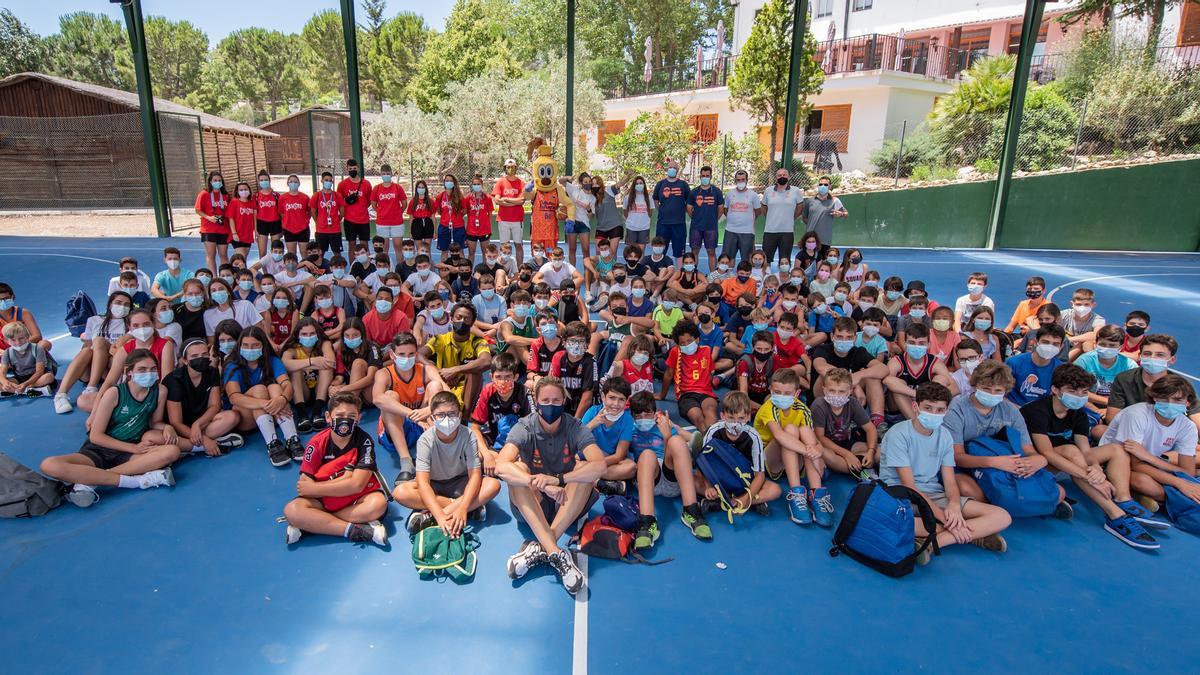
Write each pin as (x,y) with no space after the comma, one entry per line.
(131,417)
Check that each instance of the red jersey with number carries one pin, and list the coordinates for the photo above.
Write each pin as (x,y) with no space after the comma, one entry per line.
(389,204)
(639,379)
(356,212)
(788,355)
(510,188)
(329,207)
(268,206)
(212,203)
(692,373)
(323,461)
(479,215)
(447,214)
(242,215)
(295,210)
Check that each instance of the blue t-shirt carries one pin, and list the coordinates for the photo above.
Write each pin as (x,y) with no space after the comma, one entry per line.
(904,446)
(821,323)
(875,345)
(649,440)
(642,310)
(1032,381)
(1104,376)
(748,337)
(705,202)
(490,311)
(713,338)
(672,199)
(170,285)
(608,437)
(235,374)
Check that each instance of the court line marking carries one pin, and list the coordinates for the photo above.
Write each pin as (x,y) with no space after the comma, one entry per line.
(65,255)
(579,665)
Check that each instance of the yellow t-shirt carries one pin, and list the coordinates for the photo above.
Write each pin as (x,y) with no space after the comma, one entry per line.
(666,320)
(448,353)
(798,414)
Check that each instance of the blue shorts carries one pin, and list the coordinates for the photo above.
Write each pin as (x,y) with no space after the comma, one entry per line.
(705,237)
(576,227)
(447,234)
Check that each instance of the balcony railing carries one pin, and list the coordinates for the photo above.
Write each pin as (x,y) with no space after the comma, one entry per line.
(891,53)
(712,72)
(1046,67)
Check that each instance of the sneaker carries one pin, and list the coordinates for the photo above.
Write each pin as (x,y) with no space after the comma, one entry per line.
(1064,511)
(62,404)
(479,514)
(1143,515)
(293,535)
(1151,504)
(798,511)
(530,555)
(364,534)
(7,394)
(38,392)
(693,518)
(318,420)
(761,509)
(564,565)
(303,424)
(419,520)
(229,442)
(647,534)
(924,556)
(407,472)
(611,487)
(823,507)
(992,542)
(161,478)
(83,496)
(278,454)
(1130,532)
(294,449)
(378,533)
(709,505)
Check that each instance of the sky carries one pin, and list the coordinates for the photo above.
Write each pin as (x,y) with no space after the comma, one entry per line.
(218,18)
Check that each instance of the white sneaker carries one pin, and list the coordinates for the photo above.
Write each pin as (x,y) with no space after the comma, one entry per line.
(293,534)
(62,404)
(90,390)
(83,496)
(530,555)
(378,533)
(161,478)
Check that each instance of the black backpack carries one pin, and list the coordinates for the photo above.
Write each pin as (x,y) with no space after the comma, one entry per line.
(25,493)
(877,528)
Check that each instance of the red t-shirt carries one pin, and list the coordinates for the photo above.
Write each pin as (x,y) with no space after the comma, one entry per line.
(268,206)
(417,208)
(295,210)
(479,215)
(511,188)
(329,207)
(212,204)
(692,373)
(241,216)
(639,379)
(447,214)
(356,212)
(381,331)
(788,355)
(389,206)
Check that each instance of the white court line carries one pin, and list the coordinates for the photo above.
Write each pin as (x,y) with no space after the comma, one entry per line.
(58,337)
(579,652)
(64,255)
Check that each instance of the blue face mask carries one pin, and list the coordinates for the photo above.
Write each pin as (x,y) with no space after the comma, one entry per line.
(420,192)
(7,304)
(227,347)
(1169,410)
(488,293)
(843,346)
(644,424)
(216,185)
(639,292)
(327,184)
(449,185)
(145,380)
(689,348)
(1154,366)
(672,172)
(324,303)
(194,300)
(339,273)
(930,420)
(689,267)
(438,313)
(760,326)
(549,331)
(782,402)
(893,295)
(822,190)
(705,180)
(988,400)
(549,412)
(246,285)
(1072,401)
(294,187)
(669,305)
(276,257)
(352,343)
(166,316)
(638,187)
(204,279)
(307,341)
(386,178)
(917,351)
(280,303)
(983,324)
(264,184)
(220,297)
(250,354)
(383,306)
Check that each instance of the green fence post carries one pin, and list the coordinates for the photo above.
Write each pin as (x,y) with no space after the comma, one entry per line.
(350,35)
(132,9)
(1016,105)
(799,29)
(570,163)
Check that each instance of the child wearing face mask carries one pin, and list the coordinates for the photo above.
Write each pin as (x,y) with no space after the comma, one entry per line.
(823,281)
(943,340)
(724,270)
(612,426)
(634,364)
(25,368)
(544,347)
(295,210)
(966,305)
(754,370)
(576,368)
(242,213)
(1137,323)
(479,217)
(853,270)
(968,355)
(1104,363)
(820,319)
(736,429)
(1024,316)
(308,356)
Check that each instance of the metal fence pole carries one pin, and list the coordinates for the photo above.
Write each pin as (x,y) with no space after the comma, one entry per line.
(132,10)
(1079,134)
(724,147)
(900,152)
(412,175)
(799,33)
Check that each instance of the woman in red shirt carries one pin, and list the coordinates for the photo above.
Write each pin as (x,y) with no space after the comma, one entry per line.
(389,201)
(327,207)
(451,211)
(269,216)
(294,212)
(242,213)
(479,217)
(214,227)
(356,193)
(420,211)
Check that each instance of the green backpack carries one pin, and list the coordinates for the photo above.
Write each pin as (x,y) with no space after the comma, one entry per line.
(434,554)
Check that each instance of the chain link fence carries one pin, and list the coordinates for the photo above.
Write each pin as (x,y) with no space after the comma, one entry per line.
(181,139)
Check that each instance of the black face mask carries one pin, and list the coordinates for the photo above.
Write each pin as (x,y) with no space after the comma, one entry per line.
(1134,331)
(704,318)
(343,426)
(200,364)
(781,181)
(353,173)
(1033,295)
(465,276)
(314,257)
(762,357)
(378,250)
(618,278)
(745,311)
(714,299)
(525,278)
(462,327)
(632,261)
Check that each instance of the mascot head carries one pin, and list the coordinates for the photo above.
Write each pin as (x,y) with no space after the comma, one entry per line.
(543,168)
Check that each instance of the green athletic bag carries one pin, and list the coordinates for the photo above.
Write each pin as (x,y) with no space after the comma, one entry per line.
(434,554)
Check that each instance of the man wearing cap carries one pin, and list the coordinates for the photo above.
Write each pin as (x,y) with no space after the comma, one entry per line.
(509,194)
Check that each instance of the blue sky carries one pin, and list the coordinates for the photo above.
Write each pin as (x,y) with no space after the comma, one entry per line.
(217,18)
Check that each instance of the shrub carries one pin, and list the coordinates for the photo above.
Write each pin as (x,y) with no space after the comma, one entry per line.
(919,148)
(933,172)
(1047,132)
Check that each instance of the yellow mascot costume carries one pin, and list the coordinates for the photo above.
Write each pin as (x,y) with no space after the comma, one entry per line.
(550,202)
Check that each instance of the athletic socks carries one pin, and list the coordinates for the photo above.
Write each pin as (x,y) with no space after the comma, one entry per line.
(349,528)
(266,426)
(130,482)
(288,426)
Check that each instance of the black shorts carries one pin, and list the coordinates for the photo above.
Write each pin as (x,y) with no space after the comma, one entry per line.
(550,507)
(478,237)
(692,399)
(269,229)
(221,238)
(422,228)
(103,458)
(300,237)
(356,231)
(451,488)
(331,242)
(856,436)
(615,233)
(240,244)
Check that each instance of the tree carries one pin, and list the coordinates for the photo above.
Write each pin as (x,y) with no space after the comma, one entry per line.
(759,81)
(216,94)
(21,49)
(474,41)
(650,140)
(177,51)
(92,48)
(962,120)
(1149,11)
(393,55)
(325,53)
(263,69)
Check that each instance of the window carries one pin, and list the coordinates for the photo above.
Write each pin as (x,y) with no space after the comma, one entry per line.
(1014,38)
(860,5)
(705,127)
(607,128)
(827,126)
(1189,24)
(824,8)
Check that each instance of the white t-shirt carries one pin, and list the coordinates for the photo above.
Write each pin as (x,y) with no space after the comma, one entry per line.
(741,205)
(422,285)
(637,217)
(555,277)
(965,306)
(111,331)
(114,284)
(240,311)
(173,332)
(282,277)
(781,208)
(585,202)
(1139,423)
(962,379)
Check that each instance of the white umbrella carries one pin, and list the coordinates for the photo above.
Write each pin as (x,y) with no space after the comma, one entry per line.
(899,50)
(827,61)
(699,66)
(720,67)
(649,55)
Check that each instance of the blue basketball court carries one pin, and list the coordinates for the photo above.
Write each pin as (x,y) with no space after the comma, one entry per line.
(197,578)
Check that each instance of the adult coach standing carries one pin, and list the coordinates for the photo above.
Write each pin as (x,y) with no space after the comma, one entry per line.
(509,194)
(671,196)
(783,203)
(818,212)
(356,193)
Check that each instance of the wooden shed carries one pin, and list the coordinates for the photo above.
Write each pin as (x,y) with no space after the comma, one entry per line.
(290,151)
(68,145)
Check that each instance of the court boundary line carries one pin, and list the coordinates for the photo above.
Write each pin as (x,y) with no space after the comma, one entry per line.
(579,650)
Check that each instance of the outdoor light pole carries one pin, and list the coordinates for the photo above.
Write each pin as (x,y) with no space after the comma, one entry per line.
(132,9)
(350,35)
(1016,109)
(570,163)
(799,29)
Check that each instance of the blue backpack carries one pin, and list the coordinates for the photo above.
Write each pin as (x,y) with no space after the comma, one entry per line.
(1036,495)
(80,308)
(877,527)
(728,471)
(623,512)
(1182,509)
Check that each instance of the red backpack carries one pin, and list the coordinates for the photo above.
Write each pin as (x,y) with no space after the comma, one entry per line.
(600,538)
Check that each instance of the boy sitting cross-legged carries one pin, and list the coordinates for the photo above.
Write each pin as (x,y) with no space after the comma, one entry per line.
(612,427)
(664,469)
(735,428)
(784,424)
(849,440)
